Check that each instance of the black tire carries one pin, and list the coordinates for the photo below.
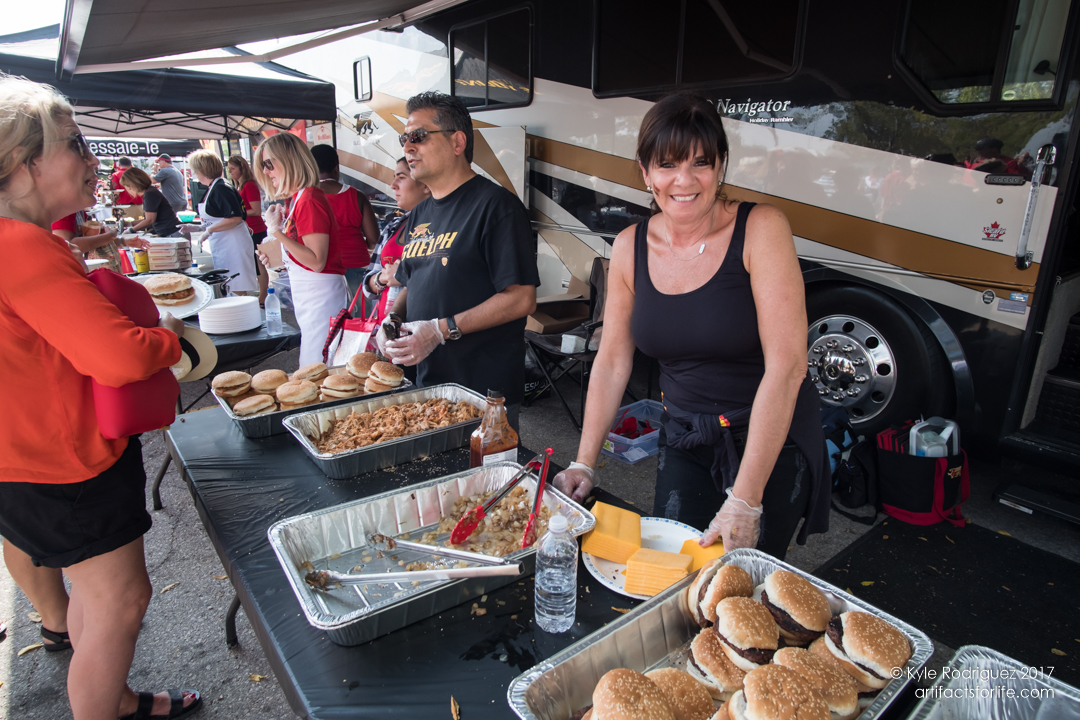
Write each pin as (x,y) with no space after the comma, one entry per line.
(918,380)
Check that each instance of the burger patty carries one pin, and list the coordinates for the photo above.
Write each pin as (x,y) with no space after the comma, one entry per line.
(694,663)
(787,622)
(761,656)
(836,634)
(869,694)
(178,295)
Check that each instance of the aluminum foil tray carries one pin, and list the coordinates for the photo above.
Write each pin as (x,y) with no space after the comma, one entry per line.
(658,633)
(978,686)
(266,425)
(339,466)
(337,539)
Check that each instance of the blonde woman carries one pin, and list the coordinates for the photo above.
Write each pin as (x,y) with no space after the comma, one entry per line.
(243,180)
(222,213)
(306,228)
(157,212)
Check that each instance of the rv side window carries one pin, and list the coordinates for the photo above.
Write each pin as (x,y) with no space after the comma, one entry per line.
(641,46)
(492,61)
(362,79)
(985,53)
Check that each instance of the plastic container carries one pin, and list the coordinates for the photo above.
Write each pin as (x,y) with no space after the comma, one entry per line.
(283,289)
(273,313)
(637,449)
(556,578)
(934,438)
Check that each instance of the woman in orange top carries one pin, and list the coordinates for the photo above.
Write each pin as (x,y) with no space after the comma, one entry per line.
(70,498)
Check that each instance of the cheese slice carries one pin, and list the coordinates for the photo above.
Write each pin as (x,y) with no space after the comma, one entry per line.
(650,571)
(617,535)
(702,556)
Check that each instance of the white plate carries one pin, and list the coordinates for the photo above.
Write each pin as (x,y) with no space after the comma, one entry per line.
(656,534)
(203,295)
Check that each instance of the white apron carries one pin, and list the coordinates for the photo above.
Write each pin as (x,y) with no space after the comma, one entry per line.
(317,299)
(232,249)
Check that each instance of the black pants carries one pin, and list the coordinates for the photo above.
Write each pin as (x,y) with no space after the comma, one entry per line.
(686,491)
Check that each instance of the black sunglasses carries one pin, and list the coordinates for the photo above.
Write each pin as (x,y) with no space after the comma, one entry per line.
(78,144)
(418,136)
(267,165)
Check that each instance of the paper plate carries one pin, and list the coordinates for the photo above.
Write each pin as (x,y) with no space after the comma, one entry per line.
(656,534)
(203,295)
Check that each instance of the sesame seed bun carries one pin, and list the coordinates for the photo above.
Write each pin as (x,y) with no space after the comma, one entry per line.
(729,581)
(710,665)
(821,650)
(314,372)
(386,373)
(231,384)
(746,626)
(836,686)
(269,381)
(722,713)
(773,692)
(360,363)
(872,643)
(170,289)
(340,386)
(627,695)
(255,405)
(297,393)
(693,593)
(688,698)
(371,385)
(801,601)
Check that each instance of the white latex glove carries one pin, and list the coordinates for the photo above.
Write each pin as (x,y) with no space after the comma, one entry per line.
(273,217)
(411,349)
(576,481)
(738,524)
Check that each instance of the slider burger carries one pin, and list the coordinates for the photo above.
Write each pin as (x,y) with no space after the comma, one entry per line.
(268,381)
(867,647)
(314,373)
(773,692)
(255,405)
(383,376)
(747,631)
(722,713)
(686,696)
(231,384)
(170,289)
(837,688)
(710,666)
(340,386)
(627,695)
(715,582)
(232,401)
(360,363)
(865,693)
(801,611)
(297,393)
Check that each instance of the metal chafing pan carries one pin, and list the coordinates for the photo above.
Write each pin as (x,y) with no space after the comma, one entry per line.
(982,684)
(339,466)
(262,426)
(657,634)
(338,538)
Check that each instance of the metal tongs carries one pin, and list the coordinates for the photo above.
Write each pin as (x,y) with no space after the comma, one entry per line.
(324,579)
(529,536)
(471,520)
(392,543)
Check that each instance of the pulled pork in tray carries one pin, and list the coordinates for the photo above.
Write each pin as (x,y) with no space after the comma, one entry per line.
(362,429)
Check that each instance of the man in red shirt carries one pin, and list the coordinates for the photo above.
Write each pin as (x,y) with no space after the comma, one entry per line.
(123,197)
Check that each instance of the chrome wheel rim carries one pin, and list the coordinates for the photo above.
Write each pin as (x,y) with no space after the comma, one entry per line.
(851,365)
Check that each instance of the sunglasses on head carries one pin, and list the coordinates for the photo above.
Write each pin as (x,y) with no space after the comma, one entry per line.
(418,136)
(267,165)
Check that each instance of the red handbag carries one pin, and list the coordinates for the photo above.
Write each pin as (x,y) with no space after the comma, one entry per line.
(355,332)
(141,406)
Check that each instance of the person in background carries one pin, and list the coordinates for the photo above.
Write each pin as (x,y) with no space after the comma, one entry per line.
(71,501)
(381,283)
(171,182)
(988,158)
(357,225)
(103,246)
(222,213)
(712,289)
(123,197)
(157,212)
(307,230)
(243,180)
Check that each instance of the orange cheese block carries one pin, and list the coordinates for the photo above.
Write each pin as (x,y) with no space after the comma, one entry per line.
(650,571)
(702,556)
(617,534)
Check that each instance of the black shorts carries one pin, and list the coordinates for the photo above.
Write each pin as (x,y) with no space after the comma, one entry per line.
(257,238)
(61,525)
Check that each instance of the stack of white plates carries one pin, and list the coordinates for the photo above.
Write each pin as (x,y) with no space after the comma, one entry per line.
(230,315)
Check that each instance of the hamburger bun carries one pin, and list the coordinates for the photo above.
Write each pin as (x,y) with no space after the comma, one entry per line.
(801,610)
(231,384)
(255,405)
(268,381)
(242,396)
(297,393)
(867,647)
(170,289)
(340,386)
(314,372)
(360,363)
(773,692)
(866,693)
(837,688)
(709,665)
(747,631)
(627,695)
(688,698)
(729,581)
(386,373)
(693,593)
(722,713)
(371,385)
(587,715)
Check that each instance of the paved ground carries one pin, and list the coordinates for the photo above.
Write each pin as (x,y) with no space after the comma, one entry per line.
(182,641)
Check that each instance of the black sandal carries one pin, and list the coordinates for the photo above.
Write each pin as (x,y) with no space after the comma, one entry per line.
(176,706)
(58,642)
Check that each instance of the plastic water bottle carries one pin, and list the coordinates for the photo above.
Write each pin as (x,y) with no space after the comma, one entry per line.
(556,577)
(273,313)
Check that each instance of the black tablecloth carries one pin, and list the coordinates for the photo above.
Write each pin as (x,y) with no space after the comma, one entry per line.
(241,487)
(240,351)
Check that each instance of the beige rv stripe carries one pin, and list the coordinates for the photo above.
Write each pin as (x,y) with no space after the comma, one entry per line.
(366,167)
(590,162)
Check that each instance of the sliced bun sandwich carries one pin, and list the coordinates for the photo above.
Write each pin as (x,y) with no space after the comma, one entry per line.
(297,393)
(360,363)
(865,693)
(314,372)
(709,665)
(231,384)
(255,405)
(837,688)
(729,581)
(688,698)
(268,381)
(627,695)
(748,632)
(340,386)
(801,610)
(867,647)
(170,289)
(773,692)
(386,374)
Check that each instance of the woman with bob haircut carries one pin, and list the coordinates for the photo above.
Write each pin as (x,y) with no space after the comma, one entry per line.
(71,501)
(222,213)
(742,453)
(243,179)
(157,212)
(306,228)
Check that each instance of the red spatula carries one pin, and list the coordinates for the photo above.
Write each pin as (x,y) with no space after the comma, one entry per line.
(470,520)
(529,536)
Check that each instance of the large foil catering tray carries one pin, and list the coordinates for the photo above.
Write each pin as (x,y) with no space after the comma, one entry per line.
(339,466)
(338,539)
(979,683)
(658,633)
(262,426)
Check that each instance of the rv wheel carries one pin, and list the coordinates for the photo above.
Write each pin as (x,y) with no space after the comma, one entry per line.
(868,356)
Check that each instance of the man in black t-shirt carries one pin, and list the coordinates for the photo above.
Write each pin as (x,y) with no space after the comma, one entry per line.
(469,263)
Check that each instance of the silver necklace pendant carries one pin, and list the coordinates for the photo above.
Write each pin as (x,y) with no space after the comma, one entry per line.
(701,249)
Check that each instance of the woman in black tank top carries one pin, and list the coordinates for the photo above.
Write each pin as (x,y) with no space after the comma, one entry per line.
(713,290)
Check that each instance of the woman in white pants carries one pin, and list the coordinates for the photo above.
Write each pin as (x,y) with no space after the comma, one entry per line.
(306,229)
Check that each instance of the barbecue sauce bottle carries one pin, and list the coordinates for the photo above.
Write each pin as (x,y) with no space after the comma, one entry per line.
(494,441)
